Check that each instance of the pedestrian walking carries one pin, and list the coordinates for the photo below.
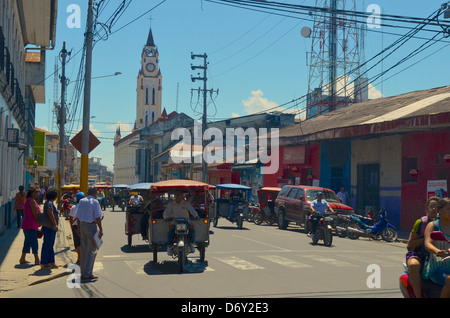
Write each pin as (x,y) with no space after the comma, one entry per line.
(47,252)
(19,204)
(30,226)
(74,224)
(89,213)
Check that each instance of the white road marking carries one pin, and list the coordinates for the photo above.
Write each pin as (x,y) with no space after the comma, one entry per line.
(239,263)
(330,261)
(284,261)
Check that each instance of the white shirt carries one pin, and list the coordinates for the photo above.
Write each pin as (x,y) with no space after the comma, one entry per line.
(320,206)
(342,196)
(179,210)
(73,212)
(88,210)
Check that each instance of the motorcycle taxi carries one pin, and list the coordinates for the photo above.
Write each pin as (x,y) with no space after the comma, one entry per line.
(197,193)
(134,212)
(222,204)
(266,212)
(116,199)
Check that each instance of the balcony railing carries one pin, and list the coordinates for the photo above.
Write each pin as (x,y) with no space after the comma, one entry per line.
(7,68)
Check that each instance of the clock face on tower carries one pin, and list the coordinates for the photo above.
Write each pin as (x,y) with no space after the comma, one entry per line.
(150,67)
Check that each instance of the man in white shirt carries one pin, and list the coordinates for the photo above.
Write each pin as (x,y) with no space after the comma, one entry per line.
(318,208)
(89,213)
(135,200)
(344,197)
(179,208)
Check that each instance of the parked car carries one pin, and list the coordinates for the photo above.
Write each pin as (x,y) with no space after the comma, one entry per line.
(293,204)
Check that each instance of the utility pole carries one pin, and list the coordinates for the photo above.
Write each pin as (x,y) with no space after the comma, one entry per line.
(204,79)
(62,121)
(87,102)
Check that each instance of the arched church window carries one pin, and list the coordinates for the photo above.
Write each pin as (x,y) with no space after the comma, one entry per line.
(146,118)
(153,96)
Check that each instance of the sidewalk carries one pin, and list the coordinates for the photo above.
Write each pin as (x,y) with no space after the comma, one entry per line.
(14,275)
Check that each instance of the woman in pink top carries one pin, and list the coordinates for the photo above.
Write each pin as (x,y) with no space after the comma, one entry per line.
(30,226)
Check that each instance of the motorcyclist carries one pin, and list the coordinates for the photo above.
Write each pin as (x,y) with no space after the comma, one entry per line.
(179,208)
(236,197)
(136,200)
(318,208)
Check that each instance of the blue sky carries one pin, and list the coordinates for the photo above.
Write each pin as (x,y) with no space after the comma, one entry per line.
(256,60)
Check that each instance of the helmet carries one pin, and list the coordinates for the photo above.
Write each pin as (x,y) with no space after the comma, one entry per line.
(79,196)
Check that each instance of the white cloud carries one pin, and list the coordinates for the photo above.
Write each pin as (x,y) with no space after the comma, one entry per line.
(257,103)
(125,128)
(96,132)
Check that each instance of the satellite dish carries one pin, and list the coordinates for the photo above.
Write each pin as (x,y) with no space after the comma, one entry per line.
(306,32)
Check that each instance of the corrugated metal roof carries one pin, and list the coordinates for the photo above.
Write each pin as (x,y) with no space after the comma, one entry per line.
(373,116)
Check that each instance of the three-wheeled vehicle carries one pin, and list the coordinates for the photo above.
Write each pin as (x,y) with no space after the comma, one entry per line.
(197,194)
(222,204)
(266,212)
(117,199)
(134,213)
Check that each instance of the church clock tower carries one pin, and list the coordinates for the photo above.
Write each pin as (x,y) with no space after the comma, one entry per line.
(149,87)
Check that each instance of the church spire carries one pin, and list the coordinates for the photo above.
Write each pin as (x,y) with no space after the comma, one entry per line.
(150,41)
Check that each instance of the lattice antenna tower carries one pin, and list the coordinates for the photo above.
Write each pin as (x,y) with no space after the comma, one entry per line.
(334,58)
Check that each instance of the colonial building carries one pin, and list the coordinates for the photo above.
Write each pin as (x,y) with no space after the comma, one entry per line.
(148,110)
(22,77)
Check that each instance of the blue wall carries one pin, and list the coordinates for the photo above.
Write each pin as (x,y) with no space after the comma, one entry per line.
(326,180)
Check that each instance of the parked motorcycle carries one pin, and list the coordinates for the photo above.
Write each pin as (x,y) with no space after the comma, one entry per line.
(343,221)
(429,289)
(252,209)
(323,231)
(181,247)
(383,229)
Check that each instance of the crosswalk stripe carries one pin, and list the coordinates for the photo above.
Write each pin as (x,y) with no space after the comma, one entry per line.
(330,261)
(239,263)
(284,261)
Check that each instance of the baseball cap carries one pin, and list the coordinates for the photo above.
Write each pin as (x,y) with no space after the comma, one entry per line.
(79,196)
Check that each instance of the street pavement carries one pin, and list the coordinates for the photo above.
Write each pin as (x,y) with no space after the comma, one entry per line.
(14,275)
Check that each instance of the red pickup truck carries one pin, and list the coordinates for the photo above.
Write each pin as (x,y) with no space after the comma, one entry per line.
(293,204)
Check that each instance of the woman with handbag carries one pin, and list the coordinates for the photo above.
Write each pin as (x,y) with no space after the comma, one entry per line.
(47,252)
(30,226)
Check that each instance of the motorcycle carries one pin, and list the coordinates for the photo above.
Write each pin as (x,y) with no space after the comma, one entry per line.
(252,209)
(429,288)
(260,216)
(344,220)
(383,229)
(122,204)
(323,231)
(66,208)
(238,215)
(181,246)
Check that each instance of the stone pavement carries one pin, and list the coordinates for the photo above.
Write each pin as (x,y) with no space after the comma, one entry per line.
(14,275)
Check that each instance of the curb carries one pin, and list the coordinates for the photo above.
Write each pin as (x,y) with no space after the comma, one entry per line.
(14,276)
